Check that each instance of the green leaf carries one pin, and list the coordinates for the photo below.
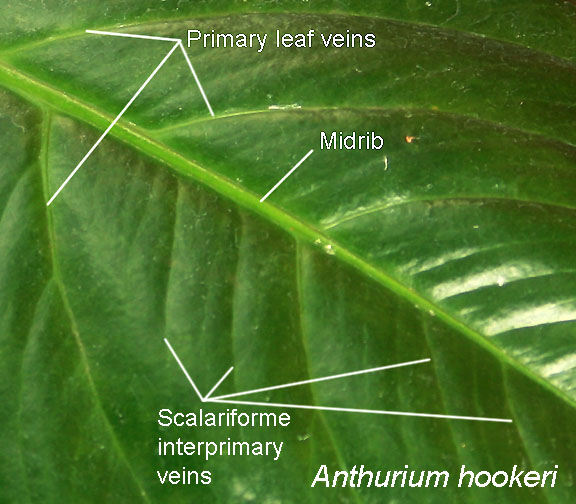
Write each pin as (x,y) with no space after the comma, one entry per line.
(454,242)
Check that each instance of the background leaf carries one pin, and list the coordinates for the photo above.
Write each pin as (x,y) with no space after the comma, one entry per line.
(456,245)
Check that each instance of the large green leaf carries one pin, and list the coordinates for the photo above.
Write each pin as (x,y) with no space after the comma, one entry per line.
(456,244)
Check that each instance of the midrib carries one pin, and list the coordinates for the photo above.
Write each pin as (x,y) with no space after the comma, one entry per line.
(45,95)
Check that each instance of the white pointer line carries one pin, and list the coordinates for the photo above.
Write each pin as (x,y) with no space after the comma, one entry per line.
(184,369)
(287,175)
(196,79)
(150,37)
(131,35)
(178,43)
(323,408)
(314,380)
(218,383)
(113,123)
(353,410)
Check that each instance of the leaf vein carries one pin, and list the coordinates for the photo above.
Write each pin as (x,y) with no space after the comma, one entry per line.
(57,276)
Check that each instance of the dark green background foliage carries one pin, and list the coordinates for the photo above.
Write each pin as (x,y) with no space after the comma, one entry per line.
(462,250)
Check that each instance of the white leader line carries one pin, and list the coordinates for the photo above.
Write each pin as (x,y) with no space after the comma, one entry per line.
(175,355)
(287,175)
(196,79)
(218,383)
(132,35)
(322,408)
(367,411)
(180,43)
(113,123)
(325,378)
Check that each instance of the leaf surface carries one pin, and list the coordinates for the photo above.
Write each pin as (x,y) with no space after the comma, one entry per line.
(453,242)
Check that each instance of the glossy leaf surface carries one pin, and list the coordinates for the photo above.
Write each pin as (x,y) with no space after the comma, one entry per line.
(454,242)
